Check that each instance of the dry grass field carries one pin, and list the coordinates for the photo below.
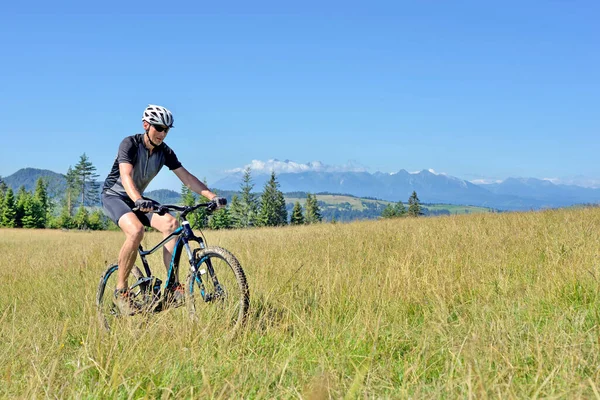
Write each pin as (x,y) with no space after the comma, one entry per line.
(475,306)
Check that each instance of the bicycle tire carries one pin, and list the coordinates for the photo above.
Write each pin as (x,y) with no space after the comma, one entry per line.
(107,311)
(228,292)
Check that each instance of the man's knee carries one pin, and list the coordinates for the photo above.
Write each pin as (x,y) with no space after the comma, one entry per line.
(165,224)
(170,225)
(136,233)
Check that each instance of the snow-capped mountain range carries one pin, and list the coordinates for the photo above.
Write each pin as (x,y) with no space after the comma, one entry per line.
(431,187)
(353,179)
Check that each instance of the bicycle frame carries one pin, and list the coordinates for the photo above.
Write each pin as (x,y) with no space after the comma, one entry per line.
(184,234)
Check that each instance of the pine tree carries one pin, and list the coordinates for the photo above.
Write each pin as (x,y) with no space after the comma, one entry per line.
(297,218)
(72,190)
(389,212)
(272,207)
(65,220)
(20,202)
(236,212)
(43,203)
(313,212)
(394,211)
(32,210)
(220,219)
(9,213)
(3,189)
(81,219)
(198,218)
(97,221)
(248,202)
(400,209)
(86,180)
(414,206)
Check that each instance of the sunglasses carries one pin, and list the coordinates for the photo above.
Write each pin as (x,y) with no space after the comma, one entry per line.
(160,128)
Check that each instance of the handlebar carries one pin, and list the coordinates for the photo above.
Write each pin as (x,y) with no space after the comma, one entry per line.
(162,209)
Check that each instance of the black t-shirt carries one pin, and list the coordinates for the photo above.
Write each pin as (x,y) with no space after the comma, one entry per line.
(145,165)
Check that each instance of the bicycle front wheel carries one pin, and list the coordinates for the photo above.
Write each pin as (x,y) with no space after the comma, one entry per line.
(218,290)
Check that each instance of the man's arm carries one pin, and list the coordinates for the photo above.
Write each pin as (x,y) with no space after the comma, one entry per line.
(126,171)
(192,183)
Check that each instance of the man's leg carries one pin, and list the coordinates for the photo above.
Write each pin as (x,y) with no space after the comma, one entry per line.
(134,232)
(166,224)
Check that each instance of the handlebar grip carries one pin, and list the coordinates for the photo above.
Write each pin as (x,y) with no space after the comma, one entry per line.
(158,210)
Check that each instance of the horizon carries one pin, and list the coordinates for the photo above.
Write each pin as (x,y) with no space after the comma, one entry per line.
(478,91)
(274,164)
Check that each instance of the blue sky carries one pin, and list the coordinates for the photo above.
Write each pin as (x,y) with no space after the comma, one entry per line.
(469,88)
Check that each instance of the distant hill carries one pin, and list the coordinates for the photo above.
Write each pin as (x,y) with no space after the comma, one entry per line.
(544,192)
(164,196)
(345,208)
(511,194)
(28,177)
(333,206)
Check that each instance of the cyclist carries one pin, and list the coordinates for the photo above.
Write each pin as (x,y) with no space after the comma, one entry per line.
(139,159)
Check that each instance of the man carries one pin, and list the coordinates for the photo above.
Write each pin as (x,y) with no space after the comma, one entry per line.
(139,159)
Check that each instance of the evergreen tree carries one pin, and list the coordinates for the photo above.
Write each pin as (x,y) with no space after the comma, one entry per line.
(72,190)
(236,212)
(272,207)
(32,211)
(220,219)
(393,211)
(86,180)
(414,206)
(248,202)
(43,203)
(388,212)
(97,221)
(400,209)
(9,213)
(313,212)
(297,218)
(65,221)
(198,218)
(3,190)
(20,202)
(81,219)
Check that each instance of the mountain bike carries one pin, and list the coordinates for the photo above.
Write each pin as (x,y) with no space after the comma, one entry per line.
(215,281)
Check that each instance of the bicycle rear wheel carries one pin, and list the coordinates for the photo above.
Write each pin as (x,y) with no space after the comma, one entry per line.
(218,291)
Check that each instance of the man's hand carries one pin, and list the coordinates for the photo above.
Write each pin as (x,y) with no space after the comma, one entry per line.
(144,205)
(217,202)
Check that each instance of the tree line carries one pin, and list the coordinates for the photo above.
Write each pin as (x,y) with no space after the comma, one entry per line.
(36,210)
(250,209)
(399,210)
(75,209)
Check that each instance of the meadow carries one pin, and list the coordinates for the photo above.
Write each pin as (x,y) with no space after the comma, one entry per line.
(464,306)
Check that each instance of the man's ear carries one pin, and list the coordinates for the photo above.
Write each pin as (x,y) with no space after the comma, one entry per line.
(146,125)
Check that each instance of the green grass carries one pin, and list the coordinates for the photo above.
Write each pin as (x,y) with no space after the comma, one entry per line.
(457,209)
(333,199)
(357,203)
(476,306)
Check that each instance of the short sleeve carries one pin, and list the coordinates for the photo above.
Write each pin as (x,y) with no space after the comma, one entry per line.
(171,160)
(127,151)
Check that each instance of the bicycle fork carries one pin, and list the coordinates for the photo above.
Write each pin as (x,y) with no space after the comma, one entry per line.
(199,273)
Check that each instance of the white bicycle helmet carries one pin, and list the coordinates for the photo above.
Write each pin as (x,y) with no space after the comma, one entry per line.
(157,115)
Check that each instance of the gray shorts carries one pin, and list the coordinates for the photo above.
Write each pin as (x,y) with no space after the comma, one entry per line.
(116,206)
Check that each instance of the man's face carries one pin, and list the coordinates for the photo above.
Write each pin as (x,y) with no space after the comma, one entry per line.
(157,133)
